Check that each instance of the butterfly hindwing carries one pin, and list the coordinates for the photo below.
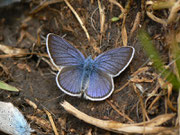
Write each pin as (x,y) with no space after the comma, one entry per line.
(69,80)
(61,52)
(115,61)
(100,87)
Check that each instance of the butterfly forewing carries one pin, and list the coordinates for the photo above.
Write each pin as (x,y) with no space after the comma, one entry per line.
(69,80)
(115,61)
(62,53)
(100,86)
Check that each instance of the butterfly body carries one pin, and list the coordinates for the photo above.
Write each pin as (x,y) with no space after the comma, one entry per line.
(80,76)
(88,68)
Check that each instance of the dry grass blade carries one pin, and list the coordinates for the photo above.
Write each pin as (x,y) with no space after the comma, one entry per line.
(124,32)
(144,112)
(113,125)
(18,52)
(31,103)
(43,5)
(116,3)
(142,79)
(120,113)
(136,24)
(78,18)
(52,122)
(153,93)
(156,19)
(178,101)
(157,120)
(170,90)
(102,20)
(22,54)
(125,85)
(174,12)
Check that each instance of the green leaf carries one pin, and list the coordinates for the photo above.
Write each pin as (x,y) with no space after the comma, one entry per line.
(156,58)
(115,19)
(8,87)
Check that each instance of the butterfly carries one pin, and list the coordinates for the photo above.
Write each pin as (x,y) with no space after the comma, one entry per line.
(12,121)
(80,76)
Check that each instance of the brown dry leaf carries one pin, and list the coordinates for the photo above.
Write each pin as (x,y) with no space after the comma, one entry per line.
(62,122)
(24,66)
(41,122)
(117,126)
(89,132)
(5,69)
(12,51)
(178,36)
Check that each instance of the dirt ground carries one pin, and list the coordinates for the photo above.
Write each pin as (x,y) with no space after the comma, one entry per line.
(22,27)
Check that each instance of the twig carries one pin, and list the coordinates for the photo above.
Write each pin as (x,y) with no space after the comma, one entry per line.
(125,85)
(117,126)
(123,115)
(136,23)
(43,5)
(78,18)
(117,4)
(156,19)
(92,20)
(102,20)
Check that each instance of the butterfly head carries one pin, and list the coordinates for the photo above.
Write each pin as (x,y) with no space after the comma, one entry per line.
(88,64)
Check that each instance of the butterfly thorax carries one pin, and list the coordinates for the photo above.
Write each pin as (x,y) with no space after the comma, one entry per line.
(88,67)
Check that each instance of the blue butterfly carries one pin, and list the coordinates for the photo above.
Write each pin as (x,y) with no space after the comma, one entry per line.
(80,76)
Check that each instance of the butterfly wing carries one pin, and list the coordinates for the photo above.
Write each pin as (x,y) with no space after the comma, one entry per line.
(12,121)
(61,52)
(115,61)
(69,80)
(100,87)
